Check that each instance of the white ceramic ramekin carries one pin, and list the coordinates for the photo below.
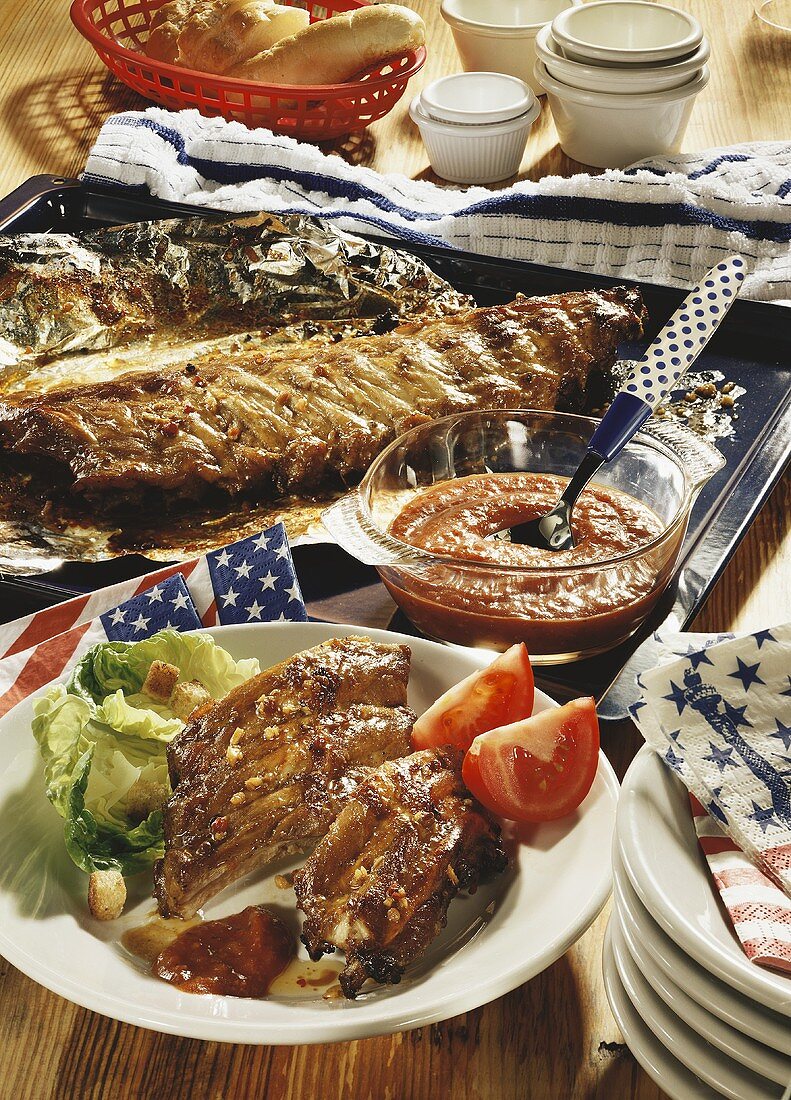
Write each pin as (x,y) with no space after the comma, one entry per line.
(625,32)
(475,151)
(499,35)
(632,78)
(474,98)
(612,131)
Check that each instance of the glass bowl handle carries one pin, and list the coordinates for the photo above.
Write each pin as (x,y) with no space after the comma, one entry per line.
(349,526)
(699,459)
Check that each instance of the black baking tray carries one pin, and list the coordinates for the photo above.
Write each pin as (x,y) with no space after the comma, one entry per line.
(752,348)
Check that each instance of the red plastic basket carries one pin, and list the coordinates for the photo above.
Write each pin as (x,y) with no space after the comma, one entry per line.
(117,30)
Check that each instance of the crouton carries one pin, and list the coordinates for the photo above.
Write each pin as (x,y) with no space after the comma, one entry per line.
(143,797)
(160,681)
(106,894)
(186,697)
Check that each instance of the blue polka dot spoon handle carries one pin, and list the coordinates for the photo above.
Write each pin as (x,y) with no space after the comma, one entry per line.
(669,357)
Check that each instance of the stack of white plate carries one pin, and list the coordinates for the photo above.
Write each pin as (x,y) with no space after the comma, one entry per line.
(701,1019)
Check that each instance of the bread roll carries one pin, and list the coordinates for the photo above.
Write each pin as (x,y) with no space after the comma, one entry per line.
(219,35)
(164,30)
(334,50)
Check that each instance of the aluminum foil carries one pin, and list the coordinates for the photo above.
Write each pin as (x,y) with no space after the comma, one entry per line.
(62,295)
(34,541)
(151,295)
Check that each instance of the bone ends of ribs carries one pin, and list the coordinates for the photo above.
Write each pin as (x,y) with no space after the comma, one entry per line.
(264,772)
(379,884)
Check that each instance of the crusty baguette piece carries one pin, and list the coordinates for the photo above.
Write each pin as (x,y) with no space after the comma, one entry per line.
(212,36)
(220,35)
(334,50)
(162,43)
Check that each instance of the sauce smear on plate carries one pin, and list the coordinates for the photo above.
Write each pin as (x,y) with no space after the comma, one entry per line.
(238,956)
(149,940)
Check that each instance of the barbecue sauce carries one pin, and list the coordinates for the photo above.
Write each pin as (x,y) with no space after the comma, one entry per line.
(306,980)
(238,956)
(454,518)
(566,603)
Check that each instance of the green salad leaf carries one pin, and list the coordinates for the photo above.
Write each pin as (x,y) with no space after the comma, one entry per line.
(103,742)
(112,665)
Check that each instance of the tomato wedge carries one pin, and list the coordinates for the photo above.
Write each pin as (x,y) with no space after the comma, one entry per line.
(495,696)
(539,769)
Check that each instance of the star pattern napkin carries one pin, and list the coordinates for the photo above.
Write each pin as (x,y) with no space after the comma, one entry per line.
(758,909)
(720,716)
(167,604)
(252,580)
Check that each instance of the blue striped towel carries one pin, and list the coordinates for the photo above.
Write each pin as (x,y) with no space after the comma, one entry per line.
(666,220)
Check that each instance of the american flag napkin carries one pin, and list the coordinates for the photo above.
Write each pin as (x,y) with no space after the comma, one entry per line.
(720,716)
(249,581)
(758,909)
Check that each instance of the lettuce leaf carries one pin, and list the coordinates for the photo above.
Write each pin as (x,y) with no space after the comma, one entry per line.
(111,666)
(104,744)
(98,844)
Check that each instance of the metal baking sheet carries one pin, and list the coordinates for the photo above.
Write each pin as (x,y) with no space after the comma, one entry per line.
(752,349)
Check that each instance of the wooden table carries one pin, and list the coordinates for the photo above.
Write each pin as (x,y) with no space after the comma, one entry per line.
(553,1039)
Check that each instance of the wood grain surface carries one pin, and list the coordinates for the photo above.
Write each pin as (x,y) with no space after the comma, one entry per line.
(553,1039)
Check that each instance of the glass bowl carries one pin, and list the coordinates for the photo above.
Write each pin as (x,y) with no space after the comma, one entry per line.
(562,612)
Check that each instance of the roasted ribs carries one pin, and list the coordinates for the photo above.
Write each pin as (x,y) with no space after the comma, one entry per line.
(304,417)
(265,771)
(379,884)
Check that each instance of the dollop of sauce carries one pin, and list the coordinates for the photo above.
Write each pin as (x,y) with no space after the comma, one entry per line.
(455,517)
(237,956)
(563,604)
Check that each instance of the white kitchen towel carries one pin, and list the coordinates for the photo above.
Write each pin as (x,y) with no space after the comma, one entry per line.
(666,220)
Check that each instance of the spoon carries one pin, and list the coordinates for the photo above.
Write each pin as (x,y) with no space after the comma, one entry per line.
(670,356)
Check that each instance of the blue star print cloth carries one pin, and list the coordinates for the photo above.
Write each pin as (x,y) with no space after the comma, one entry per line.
(167,604)
(254,580)
(720,716)
(250,581)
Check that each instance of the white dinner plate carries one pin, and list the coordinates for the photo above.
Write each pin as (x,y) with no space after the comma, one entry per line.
(662,857)
(503,935)
(730,1006)
(657,1061)
(760,1058)
(725,1075)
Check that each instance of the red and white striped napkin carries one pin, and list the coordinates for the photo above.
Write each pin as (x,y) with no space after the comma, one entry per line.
(719,713)
(759,911)
(252,580)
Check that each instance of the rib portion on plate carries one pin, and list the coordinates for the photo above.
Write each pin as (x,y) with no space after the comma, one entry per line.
(265,771)
(306,417)
(379,884)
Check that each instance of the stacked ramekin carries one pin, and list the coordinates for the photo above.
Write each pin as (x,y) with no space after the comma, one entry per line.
(475,125)
(621,77)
